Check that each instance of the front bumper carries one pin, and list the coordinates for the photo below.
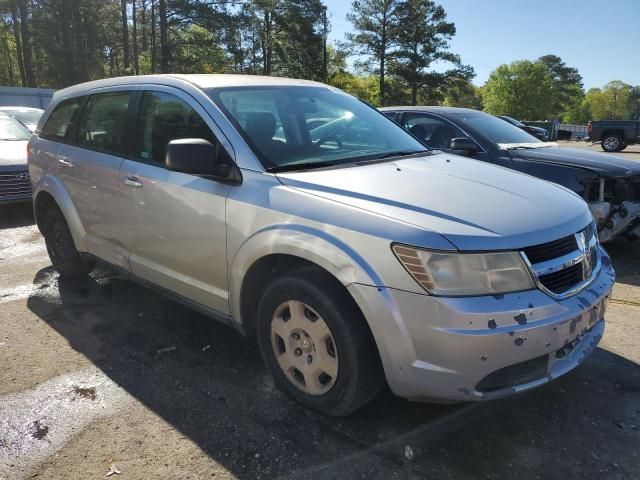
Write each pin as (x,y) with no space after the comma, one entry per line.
(476,348)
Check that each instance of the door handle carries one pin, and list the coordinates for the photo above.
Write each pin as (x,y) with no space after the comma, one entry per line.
(133,182)
(64,161)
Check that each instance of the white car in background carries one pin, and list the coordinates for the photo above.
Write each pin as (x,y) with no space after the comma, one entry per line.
(28,116)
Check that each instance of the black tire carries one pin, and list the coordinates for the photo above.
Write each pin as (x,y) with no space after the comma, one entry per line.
(623,147)
(612,143)
(61,247)
(360,376)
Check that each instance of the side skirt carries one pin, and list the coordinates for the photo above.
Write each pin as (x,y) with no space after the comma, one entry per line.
(209,312)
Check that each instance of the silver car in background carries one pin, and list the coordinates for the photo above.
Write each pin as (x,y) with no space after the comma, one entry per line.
(302,216)
(28,116)
(14,176)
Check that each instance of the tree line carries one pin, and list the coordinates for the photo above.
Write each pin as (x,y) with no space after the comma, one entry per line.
(397,52)
(56,43)
(547,88)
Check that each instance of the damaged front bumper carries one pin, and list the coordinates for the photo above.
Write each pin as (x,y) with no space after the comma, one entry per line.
(617,208)
(477,348)
(621,220)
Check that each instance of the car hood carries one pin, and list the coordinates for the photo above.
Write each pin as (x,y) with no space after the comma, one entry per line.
(13,153)
(475,206)
(601,163)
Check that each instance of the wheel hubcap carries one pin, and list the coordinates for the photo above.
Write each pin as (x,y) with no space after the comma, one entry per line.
(304,347)
(611,143)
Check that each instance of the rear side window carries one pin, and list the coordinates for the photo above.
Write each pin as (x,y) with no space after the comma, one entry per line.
(60,123)
(102,123)
(164,117)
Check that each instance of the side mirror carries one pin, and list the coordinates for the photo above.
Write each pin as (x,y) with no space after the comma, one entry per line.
(463,143)
(197,156)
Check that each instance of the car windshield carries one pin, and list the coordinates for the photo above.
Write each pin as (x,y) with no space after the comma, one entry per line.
(11,129)
(495,130)
(293,128)
(28,117)
(513,121)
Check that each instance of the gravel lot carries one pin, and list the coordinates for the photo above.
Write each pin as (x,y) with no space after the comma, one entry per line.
(106,375)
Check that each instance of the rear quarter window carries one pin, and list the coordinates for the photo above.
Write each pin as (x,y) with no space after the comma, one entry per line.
(59,125)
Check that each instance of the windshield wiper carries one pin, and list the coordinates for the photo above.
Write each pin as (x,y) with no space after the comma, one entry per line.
(400,153)
(342,163)
(305,166)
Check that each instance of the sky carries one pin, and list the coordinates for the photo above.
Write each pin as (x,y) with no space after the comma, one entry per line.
(601,38)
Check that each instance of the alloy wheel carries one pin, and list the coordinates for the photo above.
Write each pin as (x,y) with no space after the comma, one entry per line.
(611,143)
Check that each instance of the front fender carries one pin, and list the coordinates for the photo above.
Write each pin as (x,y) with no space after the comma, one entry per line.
(54,187)
(310,244)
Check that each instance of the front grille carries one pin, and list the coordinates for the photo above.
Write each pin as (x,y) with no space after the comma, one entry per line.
(513,375)
(564,280)
(551,250)
(14,184)
(562,265)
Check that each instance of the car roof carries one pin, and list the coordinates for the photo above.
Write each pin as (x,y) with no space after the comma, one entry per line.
(434,109)
(201,81)
(19,109)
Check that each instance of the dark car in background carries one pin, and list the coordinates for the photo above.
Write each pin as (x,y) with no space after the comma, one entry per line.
(539,133)
(608,183)
(614,135)
(15,184)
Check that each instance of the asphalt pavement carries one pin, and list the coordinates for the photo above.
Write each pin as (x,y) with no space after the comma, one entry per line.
(105,376)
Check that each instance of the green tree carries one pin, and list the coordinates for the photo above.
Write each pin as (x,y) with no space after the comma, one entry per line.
(195,51)
(578,114)
(611,102)
(566,85)
(9,74)
(522,89)
(460,92)
(634,103)
(422,39)
(376,28)
(361,86)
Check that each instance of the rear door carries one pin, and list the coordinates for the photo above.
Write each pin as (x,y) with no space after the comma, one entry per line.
(89,168)
(58,129)
(178,235)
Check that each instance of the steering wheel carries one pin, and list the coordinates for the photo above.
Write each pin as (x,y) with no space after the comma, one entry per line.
(327,138)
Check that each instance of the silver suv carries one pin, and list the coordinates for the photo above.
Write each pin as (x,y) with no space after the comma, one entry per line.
(300,215)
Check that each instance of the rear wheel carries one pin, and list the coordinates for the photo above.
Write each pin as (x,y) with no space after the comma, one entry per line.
(316,343)
(612,143)
(60,246)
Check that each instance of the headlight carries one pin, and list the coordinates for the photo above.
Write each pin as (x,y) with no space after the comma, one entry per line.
(459,274)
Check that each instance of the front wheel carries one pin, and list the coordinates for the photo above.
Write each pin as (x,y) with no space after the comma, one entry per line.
(61,247)
(612,143)
(316,343)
